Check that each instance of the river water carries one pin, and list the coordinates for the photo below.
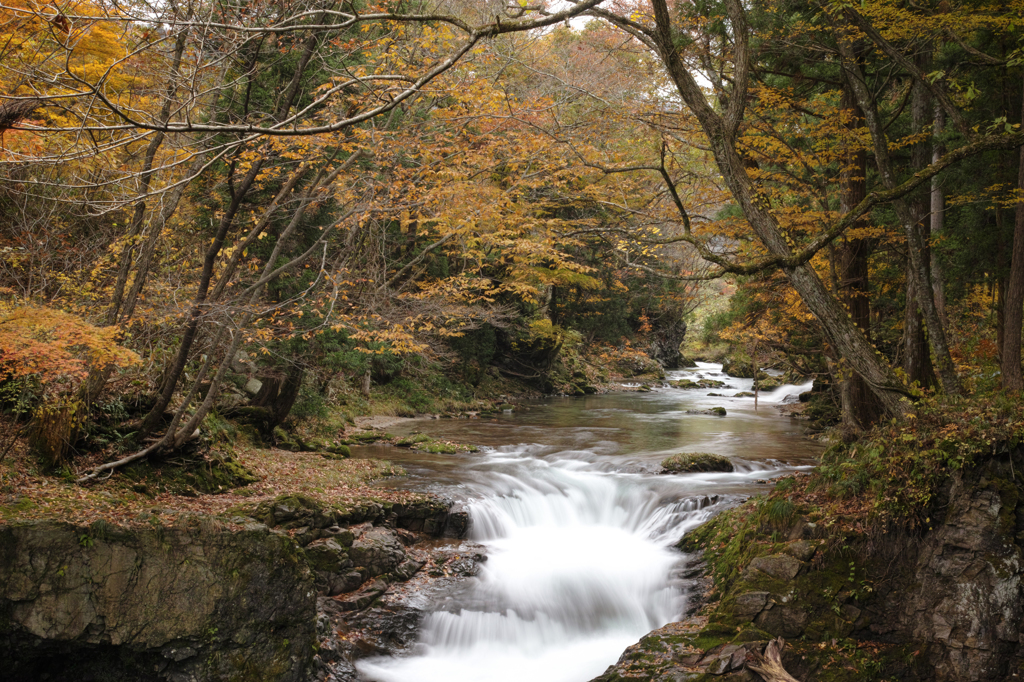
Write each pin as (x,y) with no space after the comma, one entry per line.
(579,527)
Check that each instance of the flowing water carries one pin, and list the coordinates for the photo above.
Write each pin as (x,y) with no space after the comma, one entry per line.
(579,527)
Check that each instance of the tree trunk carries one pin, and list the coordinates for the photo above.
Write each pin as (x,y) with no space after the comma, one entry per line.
(1012,305)
(859,407)
(289,393)
(916,243)
(937,216)
(135,230)
(917,361)
(918,358)
(198,305)
(999,298)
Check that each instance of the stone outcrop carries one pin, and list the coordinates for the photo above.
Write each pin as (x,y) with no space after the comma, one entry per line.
(181,603)
(963,600)
(665,343)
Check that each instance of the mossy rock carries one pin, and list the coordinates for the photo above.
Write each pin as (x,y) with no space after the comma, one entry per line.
(368,437)
(412,440)
(226,473)
(735,367)
(259,417)
(742,369)
(714,411)
(286,441)
(692,462)
(439,448)
(340,450)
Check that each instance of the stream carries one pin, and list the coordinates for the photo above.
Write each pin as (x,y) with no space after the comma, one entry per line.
(578,526)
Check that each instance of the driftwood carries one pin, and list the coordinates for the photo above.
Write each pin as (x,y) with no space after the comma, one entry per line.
(769,665)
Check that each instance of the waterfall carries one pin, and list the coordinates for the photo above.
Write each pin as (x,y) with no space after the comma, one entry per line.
(580,566)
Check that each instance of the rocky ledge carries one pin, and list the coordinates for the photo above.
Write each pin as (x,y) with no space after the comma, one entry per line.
(204,599)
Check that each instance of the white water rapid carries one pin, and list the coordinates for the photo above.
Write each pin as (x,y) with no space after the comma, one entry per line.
(579,538)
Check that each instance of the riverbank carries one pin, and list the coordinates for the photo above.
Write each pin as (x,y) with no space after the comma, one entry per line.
(900,557)
(231,487)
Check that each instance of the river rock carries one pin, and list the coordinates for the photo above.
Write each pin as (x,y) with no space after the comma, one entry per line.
(666,339)
(378,550)
(294,511)
(363,597)
(330,563)
(690,462)
(724,658)
(741,369)
(713,411)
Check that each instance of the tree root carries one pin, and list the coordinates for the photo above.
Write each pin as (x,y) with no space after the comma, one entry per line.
(769,665)
(110,466)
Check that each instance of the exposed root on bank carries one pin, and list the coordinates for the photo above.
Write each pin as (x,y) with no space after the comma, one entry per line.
(769,665)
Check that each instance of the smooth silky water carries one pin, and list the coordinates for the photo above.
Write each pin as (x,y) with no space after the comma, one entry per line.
(578,526)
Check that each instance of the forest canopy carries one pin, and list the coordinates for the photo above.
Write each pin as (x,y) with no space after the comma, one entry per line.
(317,192)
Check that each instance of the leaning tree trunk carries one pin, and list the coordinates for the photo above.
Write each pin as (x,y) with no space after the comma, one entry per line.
(722,130)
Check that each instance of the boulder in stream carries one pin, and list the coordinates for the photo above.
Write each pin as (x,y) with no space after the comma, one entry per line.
(713,411)
(692,462)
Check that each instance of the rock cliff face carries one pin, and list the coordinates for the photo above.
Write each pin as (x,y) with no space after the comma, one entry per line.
(945,604)
(963,598)
(178,604)
(665,344)
(197,601)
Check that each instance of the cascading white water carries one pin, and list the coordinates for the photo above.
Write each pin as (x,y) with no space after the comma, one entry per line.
(772,396)
(579,567)
(580,562)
